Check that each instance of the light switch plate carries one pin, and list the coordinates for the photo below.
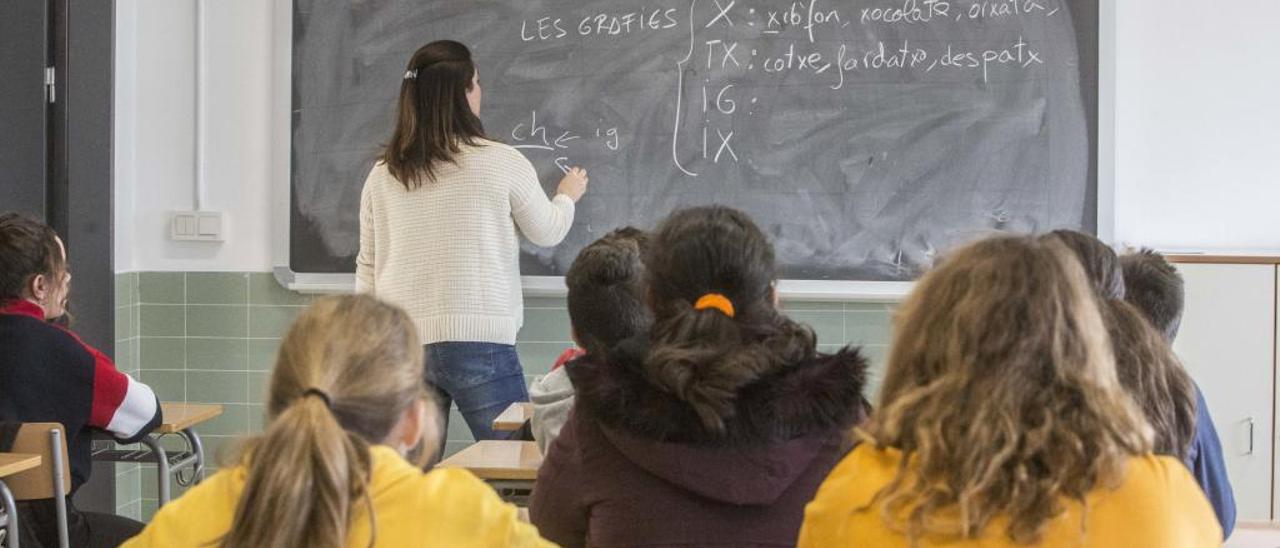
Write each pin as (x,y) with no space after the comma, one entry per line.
(197,226)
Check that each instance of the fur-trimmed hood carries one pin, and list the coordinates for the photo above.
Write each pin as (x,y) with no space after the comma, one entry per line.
(781,423)
(813,396)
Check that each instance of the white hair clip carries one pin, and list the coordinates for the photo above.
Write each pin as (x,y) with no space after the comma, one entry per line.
(411,74)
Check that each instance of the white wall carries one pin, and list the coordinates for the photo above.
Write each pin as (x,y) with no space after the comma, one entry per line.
(125,151)
(1198,124)
(156,139)
(1197,128)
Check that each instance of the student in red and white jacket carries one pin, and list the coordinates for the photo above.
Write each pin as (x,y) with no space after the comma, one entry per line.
(47,374)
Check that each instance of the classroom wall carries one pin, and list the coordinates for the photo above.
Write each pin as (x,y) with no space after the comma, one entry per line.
(125,151)
(1197,124)
(212,337)
(1196,128)
(128,343)
(155,146)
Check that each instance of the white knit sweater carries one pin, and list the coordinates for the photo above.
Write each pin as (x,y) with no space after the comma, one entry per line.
(448,252)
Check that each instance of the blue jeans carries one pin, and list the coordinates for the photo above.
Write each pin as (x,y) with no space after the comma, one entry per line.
(484,378)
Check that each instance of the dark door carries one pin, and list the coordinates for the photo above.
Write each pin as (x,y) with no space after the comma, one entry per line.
(55,155)
(79,182)
(24,26)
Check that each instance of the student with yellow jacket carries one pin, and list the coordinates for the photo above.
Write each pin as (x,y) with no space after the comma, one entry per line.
(1002,423)
(346,403)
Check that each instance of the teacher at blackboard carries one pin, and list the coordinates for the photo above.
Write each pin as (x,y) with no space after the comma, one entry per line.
(438,220)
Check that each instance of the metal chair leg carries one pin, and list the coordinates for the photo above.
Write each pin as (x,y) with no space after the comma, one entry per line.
(11,514)
(197,467)
(59,488)
(162,467)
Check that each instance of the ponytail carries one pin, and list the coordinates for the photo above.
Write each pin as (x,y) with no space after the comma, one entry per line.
(704,357)
(715,328)
(305,478)
(347,370)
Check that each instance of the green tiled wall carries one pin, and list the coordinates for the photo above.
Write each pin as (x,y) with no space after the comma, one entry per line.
(204,337)
(211,338)
(128,476)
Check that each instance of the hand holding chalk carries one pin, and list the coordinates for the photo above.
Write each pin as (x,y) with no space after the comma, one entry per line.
(574,184)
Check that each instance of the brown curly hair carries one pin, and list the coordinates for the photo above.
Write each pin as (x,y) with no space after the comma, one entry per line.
(1001,392)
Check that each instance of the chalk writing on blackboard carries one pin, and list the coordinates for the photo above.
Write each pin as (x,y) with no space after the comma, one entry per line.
(866,137)
(805,37)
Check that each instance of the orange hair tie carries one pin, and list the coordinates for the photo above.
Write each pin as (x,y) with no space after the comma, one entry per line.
(716,301)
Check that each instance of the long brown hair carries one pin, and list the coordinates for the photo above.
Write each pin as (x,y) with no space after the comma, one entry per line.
(347,370)
(1155,378)
(1001,393)
(1146,365)
(705,356)
(433,119)
(1100,262)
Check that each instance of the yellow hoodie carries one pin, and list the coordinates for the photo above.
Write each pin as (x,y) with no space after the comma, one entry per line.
(442,508)
(1157,504)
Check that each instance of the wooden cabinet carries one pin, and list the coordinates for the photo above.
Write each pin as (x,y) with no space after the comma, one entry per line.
(1227,342)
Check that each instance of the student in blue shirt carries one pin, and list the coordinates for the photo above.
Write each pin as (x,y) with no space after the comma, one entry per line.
(1155,288)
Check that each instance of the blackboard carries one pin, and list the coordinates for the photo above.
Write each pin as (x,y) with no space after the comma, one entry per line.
(865,137)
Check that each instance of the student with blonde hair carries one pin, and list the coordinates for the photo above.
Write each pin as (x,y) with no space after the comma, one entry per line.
(1003,423)
(347,403)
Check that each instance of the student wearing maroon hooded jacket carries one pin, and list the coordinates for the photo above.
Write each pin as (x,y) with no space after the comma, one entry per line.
(717,426)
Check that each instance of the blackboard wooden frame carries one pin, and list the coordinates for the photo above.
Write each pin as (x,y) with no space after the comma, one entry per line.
(553,286)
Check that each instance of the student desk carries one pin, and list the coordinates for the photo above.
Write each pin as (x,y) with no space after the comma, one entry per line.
(499,460)
(180,419)
(509,466)
(514,417)
(10,464)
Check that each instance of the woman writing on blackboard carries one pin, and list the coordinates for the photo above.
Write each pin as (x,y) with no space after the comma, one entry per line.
(438,220)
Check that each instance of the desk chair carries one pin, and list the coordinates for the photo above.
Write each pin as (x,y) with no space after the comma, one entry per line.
(52,479)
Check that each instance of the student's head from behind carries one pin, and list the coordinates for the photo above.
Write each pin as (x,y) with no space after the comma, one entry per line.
(606,290)
(711,275)
(438,112)
(1100,263)
(1149,370)
(1155,288)
(33,264)
(1001,388)
(348,376)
